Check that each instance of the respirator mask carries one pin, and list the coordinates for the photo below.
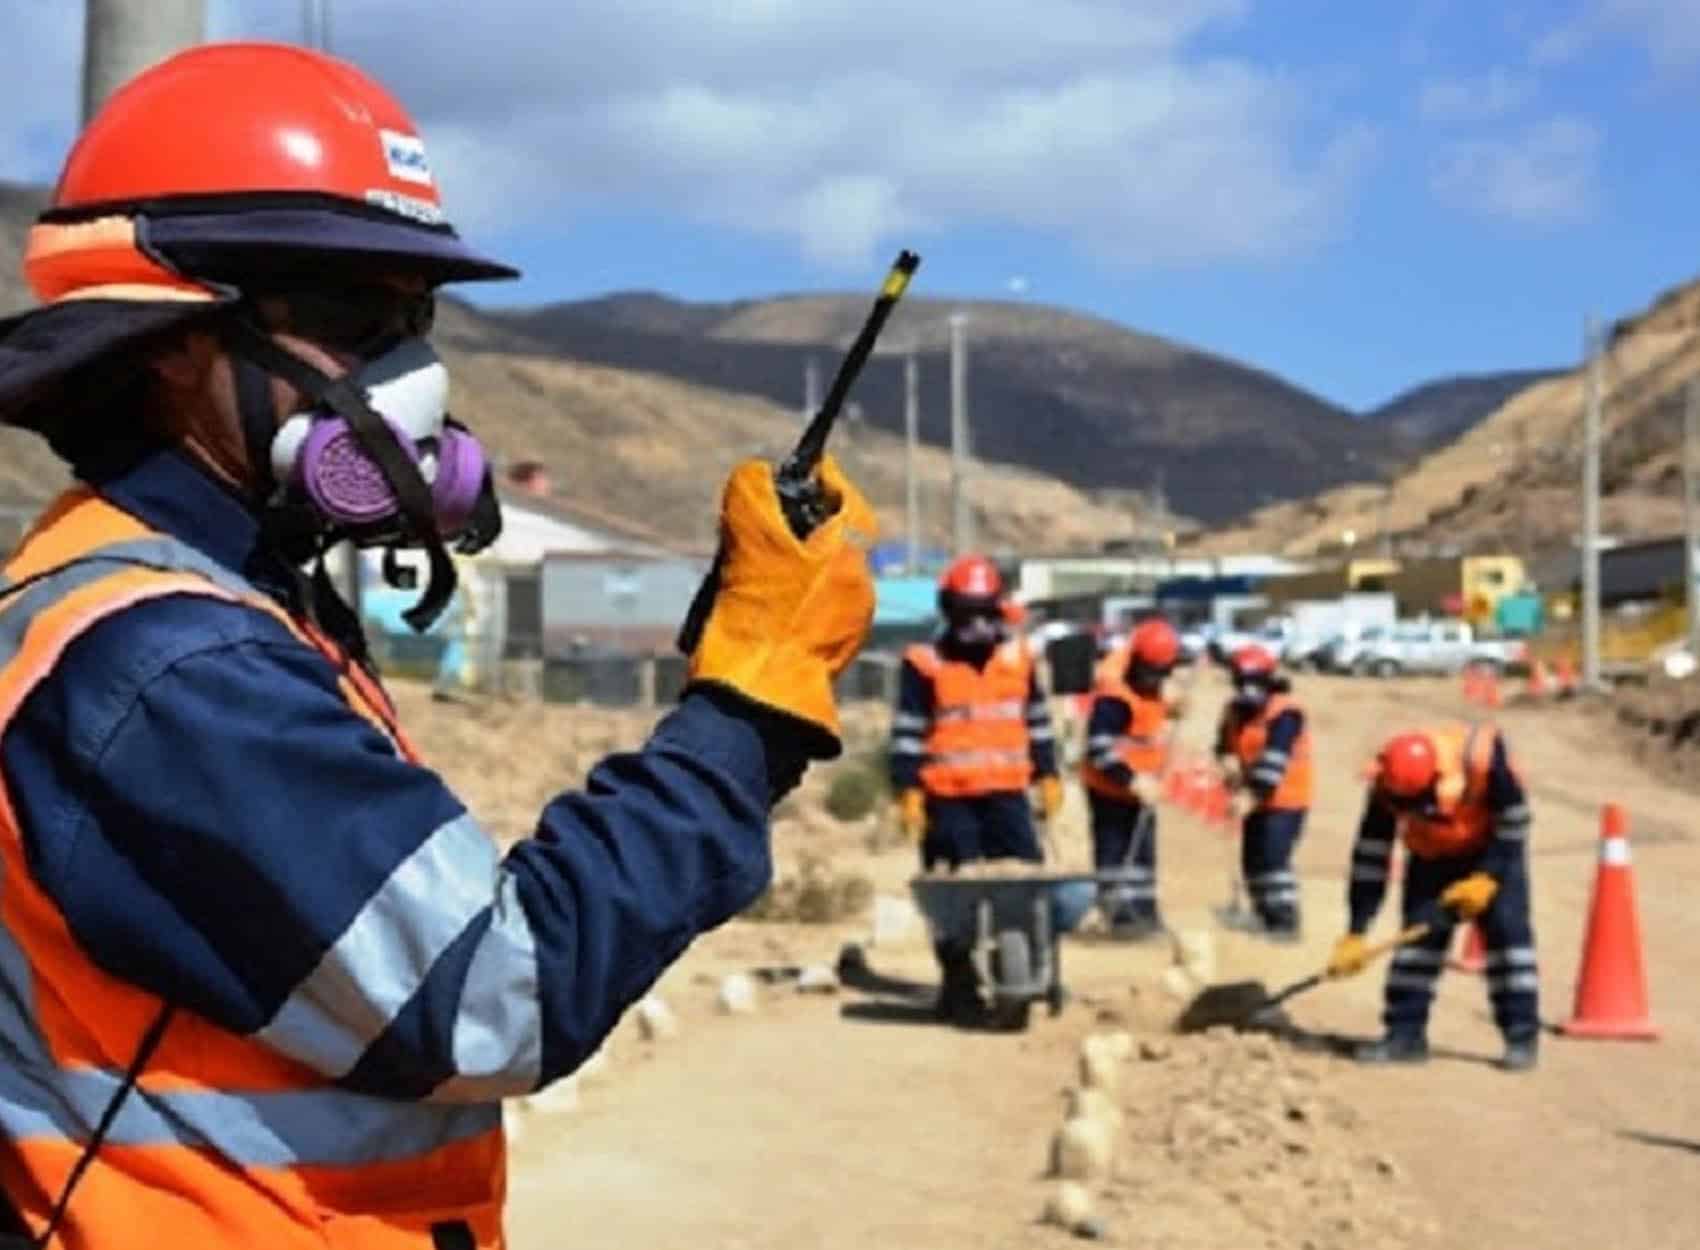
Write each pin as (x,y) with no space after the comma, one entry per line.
(376,459)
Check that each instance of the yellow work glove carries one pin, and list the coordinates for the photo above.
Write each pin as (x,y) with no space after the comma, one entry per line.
(912,814)
(1470,897)
(788,616)
(1050,797)
(1349,956)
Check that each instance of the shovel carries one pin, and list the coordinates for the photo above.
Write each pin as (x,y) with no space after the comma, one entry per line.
(1239,1003)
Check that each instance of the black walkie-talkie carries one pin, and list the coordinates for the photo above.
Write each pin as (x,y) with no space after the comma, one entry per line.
(801,496)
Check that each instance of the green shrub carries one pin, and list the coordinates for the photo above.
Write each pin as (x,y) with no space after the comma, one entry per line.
(854,793)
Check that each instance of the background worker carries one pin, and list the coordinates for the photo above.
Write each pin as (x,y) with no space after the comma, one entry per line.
(1126,749)
(223,866)
(970,733)
(1264,750)
(1453,796)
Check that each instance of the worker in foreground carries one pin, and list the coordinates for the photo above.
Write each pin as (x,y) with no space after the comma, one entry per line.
(1263,749)
(970,734)
(1127,735)
(1452,794)
(225,873)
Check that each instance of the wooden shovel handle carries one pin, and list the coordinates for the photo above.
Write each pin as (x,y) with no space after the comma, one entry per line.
(1405,936)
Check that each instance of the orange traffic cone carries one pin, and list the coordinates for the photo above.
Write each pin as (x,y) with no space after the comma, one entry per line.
(1565,670)
(1473,955)
(1472,685)
(1537,679)
(1216,804)
(1490,690)
(1611,991)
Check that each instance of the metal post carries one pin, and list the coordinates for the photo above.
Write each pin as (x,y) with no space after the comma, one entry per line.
(811,388)
(911,471)
(1691,511)
(1591,511)
(121,38)
(962,519)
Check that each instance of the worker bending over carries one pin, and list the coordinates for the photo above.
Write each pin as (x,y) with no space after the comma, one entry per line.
(1452,794)
(1126,750)
(1263,747)
(970,734)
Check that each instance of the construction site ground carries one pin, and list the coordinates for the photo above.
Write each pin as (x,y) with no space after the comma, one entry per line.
(850,1121)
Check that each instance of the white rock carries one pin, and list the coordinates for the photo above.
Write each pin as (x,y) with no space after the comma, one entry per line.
(1177,983)
(895,920)
(1198,953)
(817,979)
(1100,1070)
(1095,1104)
(1119,1044)
(1068,1206)
(1083,1150)
(737,994)
(655,1020)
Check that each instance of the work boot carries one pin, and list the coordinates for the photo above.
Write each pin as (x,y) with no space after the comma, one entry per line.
(1283,927)
(1394,1048)
(1136,928)
(1520,1055)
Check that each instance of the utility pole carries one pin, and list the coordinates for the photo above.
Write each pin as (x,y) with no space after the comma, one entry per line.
(1591,511)
(121,38)
(962,517)
(911,470)
(1691,511)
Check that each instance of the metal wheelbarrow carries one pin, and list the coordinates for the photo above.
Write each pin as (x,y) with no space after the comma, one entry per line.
(1010,926)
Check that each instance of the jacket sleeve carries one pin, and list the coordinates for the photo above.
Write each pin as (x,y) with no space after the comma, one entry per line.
(218,827)
(1108,721)
(1372,856)
(1270,766)
(1041,740)
(910,723)
(1511,818)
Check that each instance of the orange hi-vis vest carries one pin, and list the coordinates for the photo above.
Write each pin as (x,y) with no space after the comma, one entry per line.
(224,1141)
(1250,736)
(1462,822)
(1141,747)
(978,742)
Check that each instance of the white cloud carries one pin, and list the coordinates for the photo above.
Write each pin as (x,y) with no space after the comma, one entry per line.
(1544,176)
(1481,98)
(842,125)
(1667,30)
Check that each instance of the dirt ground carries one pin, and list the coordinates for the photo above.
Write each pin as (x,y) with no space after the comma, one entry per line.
(854,1120)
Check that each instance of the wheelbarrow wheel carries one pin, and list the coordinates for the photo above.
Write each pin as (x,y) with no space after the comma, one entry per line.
(1014,972)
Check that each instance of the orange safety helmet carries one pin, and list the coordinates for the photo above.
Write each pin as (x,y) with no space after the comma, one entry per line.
(1156,646)
(1407,765)
(1253,663)
(223,165)
(971,583)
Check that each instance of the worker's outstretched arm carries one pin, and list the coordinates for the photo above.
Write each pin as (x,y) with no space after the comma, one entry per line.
(1041,740)
(1372,856)
(911,721)
(1271,765)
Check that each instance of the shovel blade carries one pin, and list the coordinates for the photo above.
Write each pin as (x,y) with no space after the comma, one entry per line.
(1234,1004)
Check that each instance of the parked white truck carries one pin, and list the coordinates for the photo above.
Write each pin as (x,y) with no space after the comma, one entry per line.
(1299,635)
(1431,646)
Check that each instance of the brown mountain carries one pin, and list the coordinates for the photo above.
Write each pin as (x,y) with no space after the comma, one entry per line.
(646,447)
(1513,480)
(1083,399)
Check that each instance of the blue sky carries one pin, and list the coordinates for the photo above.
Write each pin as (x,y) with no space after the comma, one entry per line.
(1355,194)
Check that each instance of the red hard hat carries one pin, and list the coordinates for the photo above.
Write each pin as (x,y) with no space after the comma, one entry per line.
(1407,765)
(1014,612)
(229,156)
(1156,644)
(972,577)
(1252,661)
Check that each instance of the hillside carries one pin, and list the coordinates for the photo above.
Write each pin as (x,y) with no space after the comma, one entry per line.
(1512,481)
(635,445)
(1433,414)
(1076,397)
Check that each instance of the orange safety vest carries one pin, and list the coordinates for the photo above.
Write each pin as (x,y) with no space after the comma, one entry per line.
(1248,738)
(978,742)
(1462,821)
(224,1141)
(1141,746)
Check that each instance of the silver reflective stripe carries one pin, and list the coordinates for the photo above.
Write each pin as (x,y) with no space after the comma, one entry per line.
(1418,957)
(908,720)
(1513,983)
(1273,756)
(165,555)
(1007,709)
(1363,872)
(970,759)
(1277,876)
(1039,733)
(1102,742)
(1411,982)
(498,1031)
(905,745)
(39,1099)
(385,954)
(1378,847)
(1513,956)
